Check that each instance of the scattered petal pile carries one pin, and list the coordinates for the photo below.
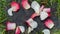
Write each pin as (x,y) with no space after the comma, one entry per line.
(40,11)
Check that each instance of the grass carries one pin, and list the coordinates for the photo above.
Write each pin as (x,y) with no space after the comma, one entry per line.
(55,31)
(3,15)
(58,10)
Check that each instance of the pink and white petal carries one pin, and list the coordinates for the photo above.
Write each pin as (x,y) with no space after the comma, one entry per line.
(41,8)
(34,24)
(35,5)
(17,31)
(22,28)
(29,21)
(43,15)
(48,10)
(34,15)
(25,4)
(11,26)
(15,5)
(49,23)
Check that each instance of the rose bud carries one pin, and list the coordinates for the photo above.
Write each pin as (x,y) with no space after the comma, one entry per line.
(41,8)
(48,10)
(34,15)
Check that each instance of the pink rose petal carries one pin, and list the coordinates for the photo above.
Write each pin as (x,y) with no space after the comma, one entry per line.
(15,5)
(28,21)
(41,8)
(34,15)
(11,26)
(32,23)
(49,23)
(25,4)
(49,14)
(47,10)
(17,30)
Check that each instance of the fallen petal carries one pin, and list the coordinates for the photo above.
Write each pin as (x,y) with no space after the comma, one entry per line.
(34,15)
(10,12)
(46,31)
(28,21)
(11,26)
(30,29)
(32,23)
(49,23)
(17,31)
(22,28)
(48,10)
(15,5)
(43,15)
(35,6)
(25,4)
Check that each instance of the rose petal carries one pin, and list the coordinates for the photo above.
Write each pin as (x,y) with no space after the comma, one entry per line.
(35,6)
(22,28)
(41,8)
(34,15)
(25,4)
(48,10)
(15,5)
(49,23)
(32,23)
(43,15)
(10,12)
(11,26)
(46,31)
(17,30)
